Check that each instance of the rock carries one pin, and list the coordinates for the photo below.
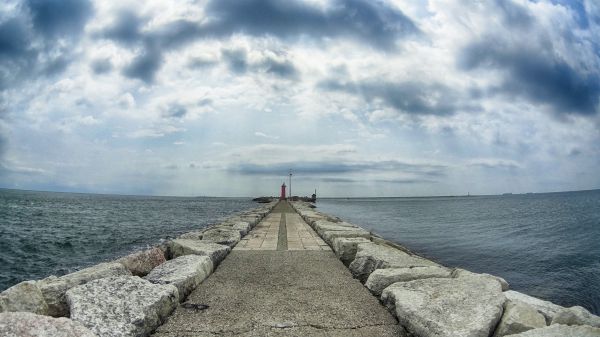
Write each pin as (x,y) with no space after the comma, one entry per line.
(329,236)
(559,330)
(194,235)
(519,317)
(223,236)
(383,242)
(27,324)
(548,309)
(54,288)
(122,305)
(370,256)
(469,307)
(185,272)
(465,273)
(216,252)
(576,316)
(25,296)
(345,248)
(243,227)
(382,278)
(141,263)
(323,226)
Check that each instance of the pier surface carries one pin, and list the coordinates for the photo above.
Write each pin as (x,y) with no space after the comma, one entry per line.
(281,280)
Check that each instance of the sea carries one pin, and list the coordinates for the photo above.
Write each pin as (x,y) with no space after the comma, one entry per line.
(545,245)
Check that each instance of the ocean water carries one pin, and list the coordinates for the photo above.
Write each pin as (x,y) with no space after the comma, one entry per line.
(45,233)
(545,245)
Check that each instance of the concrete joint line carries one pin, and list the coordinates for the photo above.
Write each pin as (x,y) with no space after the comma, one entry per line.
(282,243)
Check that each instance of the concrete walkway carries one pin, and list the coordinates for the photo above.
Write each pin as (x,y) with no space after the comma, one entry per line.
(262,289)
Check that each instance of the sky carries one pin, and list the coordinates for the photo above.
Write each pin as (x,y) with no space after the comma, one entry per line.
(357,97)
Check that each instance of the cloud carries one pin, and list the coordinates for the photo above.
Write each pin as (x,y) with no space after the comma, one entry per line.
(175,110)
(101,66)
(264,135)
(236,59)
(144,66)
(281,68)
(53,18)
(495,163)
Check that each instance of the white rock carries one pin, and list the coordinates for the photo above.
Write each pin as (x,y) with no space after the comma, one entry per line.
(519,317)
(382,278)
(370,256)
(122,306)
(222,236)
(141,263)
(345,248)
(548,309)
(25,296)
(54,288)
(465,273)
(576,316)
(446,307)
(26,324)
(185,272)
(559,330)
(329,236)
(216,252)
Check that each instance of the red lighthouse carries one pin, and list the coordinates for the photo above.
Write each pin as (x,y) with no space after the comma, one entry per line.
(282,197)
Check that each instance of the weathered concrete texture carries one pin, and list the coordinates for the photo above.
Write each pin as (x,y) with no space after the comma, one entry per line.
(329,236)
(122,306)
(469,307)
(548,309)
(370,256)
(576,316)
(215,251)
(345,248)
(222,236)
(457,273)
(54,288)
(519,317)
(185,272)
(26,324)
(25,296)
(382,278)
(141,263)
(281,293)
(558,330)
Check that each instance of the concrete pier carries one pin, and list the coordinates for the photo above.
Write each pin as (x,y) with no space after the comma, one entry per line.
(281,285)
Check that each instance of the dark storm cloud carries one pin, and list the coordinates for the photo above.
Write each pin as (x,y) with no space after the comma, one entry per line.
(514,14)
(537,75)
(101,66)
(30,35)
(125,29)
(413,98)
(145,65)
(281,68)
(237,60)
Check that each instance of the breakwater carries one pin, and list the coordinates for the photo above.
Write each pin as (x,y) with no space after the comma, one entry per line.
(135,294)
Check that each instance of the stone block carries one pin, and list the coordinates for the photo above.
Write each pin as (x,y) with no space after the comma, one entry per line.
(546,308)
(329,236)
(27,324)
(519,317)
(141,263)
(216,252)
(345,248)
(25,296)
(222,236)
(382,278)
(457,272)
(576,316)
(185,272)
(559,330)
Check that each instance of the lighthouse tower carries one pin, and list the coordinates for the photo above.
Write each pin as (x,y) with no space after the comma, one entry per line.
(282,197)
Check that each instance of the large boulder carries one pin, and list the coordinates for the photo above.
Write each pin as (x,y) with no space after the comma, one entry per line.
(446,307)
(27,324)
(193,235)
(329,236)
(576,316)
(141,263)
(185,272)
(25,296)
(382,278)
(222,236)
(324,226)
(345,248)
(519,317)
(465,273)
(559,330)
(122,306)
(54,288)
(215,251)
(243,227)
(370,256)
(546,308)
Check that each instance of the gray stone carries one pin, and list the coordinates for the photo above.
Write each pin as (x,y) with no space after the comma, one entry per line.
(323,226)
(329,236)
(185,272)
(222,236)
(122,306)
(25,296)
(559,330)
(27,324)
(576,316)
(243,227)
(54,288)
(370,256)
(141,263)
(548,309)
(345,248)
(519,317)
(215,251)
(382,278)
(469,307)
(456,273)
(193,235)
